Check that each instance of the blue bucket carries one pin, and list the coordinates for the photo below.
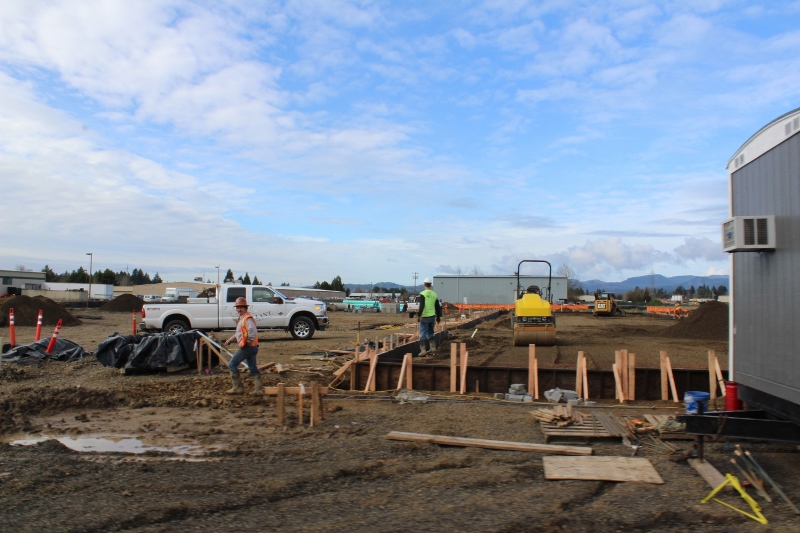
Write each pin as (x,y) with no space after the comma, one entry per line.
(694,398)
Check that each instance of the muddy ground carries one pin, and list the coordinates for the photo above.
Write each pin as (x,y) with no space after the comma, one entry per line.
(221,463)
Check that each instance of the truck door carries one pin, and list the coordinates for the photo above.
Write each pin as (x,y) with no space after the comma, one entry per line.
(228,317)
(268,308)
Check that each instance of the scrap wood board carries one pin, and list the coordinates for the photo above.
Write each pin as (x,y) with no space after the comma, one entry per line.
(601,468)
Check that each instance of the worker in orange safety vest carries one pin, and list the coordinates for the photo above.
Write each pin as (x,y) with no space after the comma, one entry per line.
(246,338)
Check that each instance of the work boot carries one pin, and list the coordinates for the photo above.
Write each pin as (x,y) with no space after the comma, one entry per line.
(237,388)
(423,352)
(258,387)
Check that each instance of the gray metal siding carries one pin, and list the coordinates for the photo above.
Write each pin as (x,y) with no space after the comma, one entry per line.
(766,295)
(492,289)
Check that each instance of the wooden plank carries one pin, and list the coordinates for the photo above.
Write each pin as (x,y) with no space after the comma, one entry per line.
(491,444)
(623,373)
(637,469)
(631,376)
(618,380)
(373,365)
(610,423)
(300,393)
(707,471)
(535,379)
(578,376)
(272,391)
(664,380)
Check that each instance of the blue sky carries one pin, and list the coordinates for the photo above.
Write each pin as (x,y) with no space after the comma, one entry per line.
(303,140)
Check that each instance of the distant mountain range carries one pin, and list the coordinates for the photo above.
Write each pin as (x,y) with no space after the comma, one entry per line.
(655,281)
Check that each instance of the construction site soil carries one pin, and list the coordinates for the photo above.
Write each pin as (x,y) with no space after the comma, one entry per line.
(171,451)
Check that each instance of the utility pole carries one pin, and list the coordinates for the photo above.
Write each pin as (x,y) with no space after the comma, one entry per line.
(415,275)
(91,257)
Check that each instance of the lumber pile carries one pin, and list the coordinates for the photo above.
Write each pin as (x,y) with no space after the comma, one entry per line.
(560,416)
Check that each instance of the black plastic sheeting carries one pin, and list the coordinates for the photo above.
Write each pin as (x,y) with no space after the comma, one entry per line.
(31,354)
(148,352)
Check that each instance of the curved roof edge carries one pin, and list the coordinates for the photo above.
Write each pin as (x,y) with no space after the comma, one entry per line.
(765,139)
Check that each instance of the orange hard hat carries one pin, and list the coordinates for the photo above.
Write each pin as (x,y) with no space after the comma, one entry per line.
(240,302)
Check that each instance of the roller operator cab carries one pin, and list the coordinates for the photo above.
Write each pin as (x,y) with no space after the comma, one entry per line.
(533,320)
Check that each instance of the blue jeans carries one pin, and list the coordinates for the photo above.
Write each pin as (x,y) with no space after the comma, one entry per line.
(426,325)
(248,355)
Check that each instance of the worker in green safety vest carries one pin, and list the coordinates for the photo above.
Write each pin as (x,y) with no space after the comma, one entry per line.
(430,314)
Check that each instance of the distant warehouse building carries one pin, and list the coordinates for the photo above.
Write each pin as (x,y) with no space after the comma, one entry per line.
(493,289)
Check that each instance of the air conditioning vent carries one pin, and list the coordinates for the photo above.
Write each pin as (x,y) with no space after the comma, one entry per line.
(748,234)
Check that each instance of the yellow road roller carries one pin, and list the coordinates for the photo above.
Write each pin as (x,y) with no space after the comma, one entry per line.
(533,319)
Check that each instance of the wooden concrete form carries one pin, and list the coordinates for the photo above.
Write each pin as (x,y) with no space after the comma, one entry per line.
(316,409)
(598,384)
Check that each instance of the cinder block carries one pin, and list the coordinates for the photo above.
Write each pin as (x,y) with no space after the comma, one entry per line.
(499,396)
(527,399)
(517,386)
(514,397)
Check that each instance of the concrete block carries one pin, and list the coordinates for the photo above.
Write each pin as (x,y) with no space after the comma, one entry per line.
(527,399)
(499,396)
(514,397)
(517,386)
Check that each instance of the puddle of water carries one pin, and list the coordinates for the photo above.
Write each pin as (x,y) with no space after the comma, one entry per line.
(105,444)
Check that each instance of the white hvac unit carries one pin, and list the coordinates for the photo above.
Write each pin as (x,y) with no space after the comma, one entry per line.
(748,234)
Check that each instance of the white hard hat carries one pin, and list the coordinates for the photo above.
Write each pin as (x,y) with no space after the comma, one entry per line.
(427,281)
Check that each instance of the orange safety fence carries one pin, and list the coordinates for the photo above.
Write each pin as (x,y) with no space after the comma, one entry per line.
(677,311)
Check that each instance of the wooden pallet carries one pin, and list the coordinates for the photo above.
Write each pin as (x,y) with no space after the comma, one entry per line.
(594,426)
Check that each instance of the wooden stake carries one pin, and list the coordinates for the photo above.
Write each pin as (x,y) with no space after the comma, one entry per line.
(531,368)
(535,378)
(403,369)
(453,367)
(585,373)
(623,370)
(631,376)
(281,404)
(618,362)
(314,418)
(720,380)
(300,404)
(618,380)
(410,372)
(464,357)
(579,376)
(664,379)
(373,365)
(712,376)
(672,382)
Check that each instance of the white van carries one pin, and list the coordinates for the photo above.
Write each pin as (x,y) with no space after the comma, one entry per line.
(151,298)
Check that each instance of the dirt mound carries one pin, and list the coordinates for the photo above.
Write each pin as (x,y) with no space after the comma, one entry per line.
(26,311)
(707,322)
(124,303)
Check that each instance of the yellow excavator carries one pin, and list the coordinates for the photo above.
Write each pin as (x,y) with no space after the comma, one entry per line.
(533,319)
(606,305)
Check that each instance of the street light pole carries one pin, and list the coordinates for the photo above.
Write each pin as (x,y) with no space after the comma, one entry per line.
(217,267)
(91,257)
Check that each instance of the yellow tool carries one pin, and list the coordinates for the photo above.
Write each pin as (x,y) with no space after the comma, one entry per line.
(730,478)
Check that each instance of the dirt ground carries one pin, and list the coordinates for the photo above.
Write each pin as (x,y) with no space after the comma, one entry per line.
(213,462)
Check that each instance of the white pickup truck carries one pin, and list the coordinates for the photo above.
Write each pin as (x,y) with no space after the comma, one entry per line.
(272,310)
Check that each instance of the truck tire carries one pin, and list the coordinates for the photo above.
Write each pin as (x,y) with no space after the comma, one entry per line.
(301,328)
(175,326)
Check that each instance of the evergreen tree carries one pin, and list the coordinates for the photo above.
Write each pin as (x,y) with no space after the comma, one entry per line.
(246,279)
(228,277)
(325,286)
(157,279)
(255,281)
(49,275)
(336,284)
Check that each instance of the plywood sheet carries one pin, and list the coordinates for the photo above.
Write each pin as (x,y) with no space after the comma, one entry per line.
(601,468)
